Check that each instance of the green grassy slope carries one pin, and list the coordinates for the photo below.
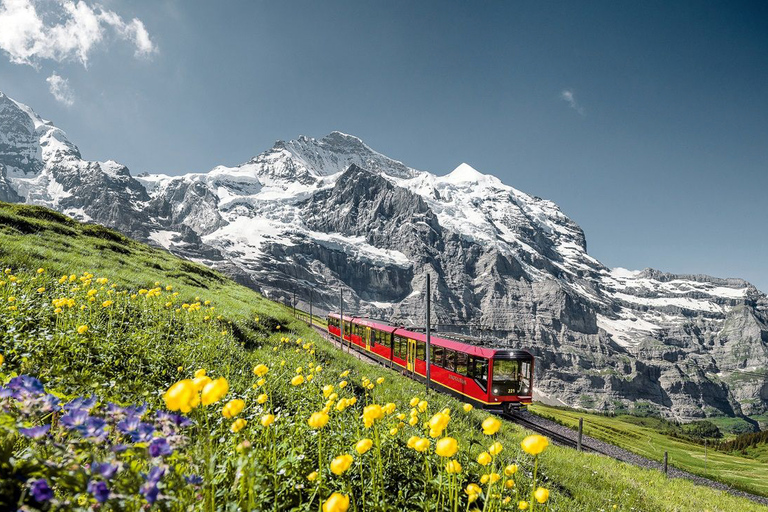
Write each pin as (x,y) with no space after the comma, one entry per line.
(135,348)
(630,433)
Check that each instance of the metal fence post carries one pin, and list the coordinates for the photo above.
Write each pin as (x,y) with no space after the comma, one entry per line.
(666,461)
(581,428)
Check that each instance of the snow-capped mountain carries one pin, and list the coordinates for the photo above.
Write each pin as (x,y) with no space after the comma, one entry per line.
(331,213)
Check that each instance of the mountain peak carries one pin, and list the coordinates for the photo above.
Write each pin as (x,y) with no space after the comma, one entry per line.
(466,173)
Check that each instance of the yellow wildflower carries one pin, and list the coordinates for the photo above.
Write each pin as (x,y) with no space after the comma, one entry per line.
(422,445)
(491,425)
(534,444)
(215,391)
(180,396)
(363,446)
(318,420)
(238,425)
(233,408)
(337,502)
(484,459)
(201,382)
(341,463)
(446,447)
(453,467)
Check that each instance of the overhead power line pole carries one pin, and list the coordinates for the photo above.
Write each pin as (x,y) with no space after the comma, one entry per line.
(341,317)
(429,350)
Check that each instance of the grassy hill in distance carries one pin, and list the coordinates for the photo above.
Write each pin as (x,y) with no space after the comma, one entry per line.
(650,437)
(89,312)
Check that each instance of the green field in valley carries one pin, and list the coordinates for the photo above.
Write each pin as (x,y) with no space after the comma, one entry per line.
(642,436)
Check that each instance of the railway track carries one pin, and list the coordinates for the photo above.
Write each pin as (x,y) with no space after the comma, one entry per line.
(559,438)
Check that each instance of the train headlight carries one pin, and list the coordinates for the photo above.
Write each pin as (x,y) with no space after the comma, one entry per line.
(495,391)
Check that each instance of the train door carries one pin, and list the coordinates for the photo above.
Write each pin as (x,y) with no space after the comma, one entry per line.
(367,338)
(411,355)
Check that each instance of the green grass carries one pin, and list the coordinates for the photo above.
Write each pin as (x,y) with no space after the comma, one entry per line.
(133,349)
(732,426)
(642,436)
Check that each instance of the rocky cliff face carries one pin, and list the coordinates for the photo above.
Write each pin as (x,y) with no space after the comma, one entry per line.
(330,214)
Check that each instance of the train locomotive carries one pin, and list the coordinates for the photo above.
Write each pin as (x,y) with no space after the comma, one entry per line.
(489,378)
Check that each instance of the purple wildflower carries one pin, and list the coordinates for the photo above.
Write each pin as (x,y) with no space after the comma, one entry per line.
(35,432)
(178,420)
(22,387)
(155,474)
(75,419)
(41,491)
(49,403)
(129,425)
(99,490)
(95,429)
(81,403)
(118,448)
(118,412)
(194,479)
(105,469)
(159,447)
(149,490)
(138,430)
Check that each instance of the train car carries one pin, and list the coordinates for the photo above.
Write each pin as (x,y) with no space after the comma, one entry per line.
(490,378)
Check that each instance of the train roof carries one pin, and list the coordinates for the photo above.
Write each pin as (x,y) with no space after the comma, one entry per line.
(473,350)
(486,352)
(377,324)
(346,317)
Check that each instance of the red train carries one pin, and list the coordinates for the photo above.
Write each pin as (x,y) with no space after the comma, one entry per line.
(490,378)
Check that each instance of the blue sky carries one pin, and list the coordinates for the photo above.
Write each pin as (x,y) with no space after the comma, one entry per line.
(647,122)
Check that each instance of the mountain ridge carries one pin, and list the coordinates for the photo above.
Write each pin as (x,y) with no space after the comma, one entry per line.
(332,213)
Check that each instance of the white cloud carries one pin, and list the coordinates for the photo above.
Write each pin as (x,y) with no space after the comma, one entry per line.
(60,89)
(69,31)
(568,96)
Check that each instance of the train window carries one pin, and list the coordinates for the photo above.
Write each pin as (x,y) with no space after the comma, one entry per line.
(480,373)
(420,350)
(511,377)
(437,356)
(461,363)
(400,345)
(450,360)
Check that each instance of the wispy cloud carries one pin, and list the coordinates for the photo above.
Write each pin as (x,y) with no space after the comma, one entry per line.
(569,97)
(60,89)
(67,30)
